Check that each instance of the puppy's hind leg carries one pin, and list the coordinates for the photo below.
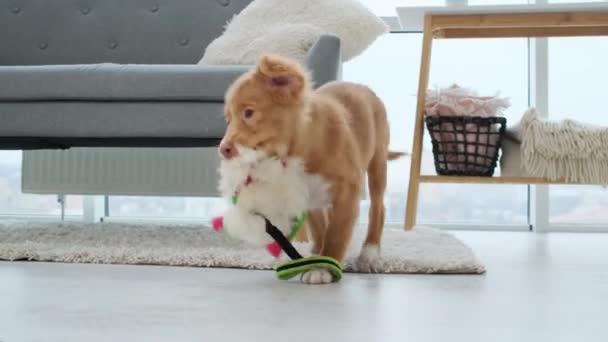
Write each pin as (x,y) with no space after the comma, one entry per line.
(317,225)
(369,258)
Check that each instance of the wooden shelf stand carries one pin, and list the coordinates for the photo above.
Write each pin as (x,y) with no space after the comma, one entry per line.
(488,25)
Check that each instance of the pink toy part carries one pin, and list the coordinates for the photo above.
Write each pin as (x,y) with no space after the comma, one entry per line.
(274,249)
(249,180)
(218,223)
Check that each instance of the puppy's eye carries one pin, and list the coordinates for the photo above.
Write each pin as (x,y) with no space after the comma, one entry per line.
(248,113)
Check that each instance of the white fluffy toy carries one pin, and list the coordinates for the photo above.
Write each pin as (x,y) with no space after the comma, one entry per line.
(259,187)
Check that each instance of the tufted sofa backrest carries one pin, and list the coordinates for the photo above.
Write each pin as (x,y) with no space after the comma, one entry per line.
(38,32)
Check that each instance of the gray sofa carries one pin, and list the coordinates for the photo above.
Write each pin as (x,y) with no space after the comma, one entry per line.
(119,73)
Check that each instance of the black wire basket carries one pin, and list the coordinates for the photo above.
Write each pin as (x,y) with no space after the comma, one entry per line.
(466,145)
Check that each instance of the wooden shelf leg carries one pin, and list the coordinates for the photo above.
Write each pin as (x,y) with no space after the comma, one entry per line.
(414,182)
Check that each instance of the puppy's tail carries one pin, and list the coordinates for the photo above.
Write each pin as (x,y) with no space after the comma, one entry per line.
(396,155)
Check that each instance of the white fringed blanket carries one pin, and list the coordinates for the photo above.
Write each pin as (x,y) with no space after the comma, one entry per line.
(566,149)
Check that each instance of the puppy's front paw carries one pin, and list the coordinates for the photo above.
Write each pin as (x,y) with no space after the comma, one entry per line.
(316,276)
(369,260)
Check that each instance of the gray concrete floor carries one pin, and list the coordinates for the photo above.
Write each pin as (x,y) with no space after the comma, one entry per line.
(537,288)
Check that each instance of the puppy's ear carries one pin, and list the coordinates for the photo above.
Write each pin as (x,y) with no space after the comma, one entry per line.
(286,80)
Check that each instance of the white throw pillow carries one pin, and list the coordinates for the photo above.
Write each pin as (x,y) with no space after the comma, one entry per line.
(290,28)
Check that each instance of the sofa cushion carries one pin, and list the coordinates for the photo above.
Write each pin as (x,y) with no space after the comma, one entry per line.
(289,28)
(38,32)
(117,82)
(111,119)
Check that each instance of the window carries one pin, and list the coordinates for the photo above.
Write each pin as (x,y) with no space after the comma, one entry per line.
(165,207)
(13,203)
(577,75)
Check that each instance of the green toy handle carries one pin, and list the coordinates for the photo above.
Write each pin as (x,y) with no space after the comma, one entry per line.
(293,268)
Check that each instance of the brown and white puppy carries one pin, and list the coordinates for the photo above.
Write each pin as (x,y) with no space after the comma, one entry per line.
(341,133)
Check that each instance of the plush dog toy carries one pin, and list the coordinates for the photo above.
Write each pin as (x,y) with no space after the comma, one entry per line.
(269,199)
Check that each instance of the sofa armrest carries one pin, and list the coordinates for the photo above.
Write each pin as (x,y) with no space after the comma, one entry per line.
(324,60)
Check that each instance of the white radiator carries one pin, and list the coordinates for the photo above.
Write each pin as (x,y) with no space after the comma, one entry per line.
(122,171)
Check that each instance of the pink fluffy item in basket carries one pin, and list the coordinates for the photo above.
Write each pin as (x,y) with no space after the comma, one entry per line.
(259,187)
(472,139)
(459,101)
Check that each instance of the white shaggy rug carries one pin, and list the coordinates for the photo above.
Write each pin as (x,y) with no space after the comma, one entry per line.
(422,250)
